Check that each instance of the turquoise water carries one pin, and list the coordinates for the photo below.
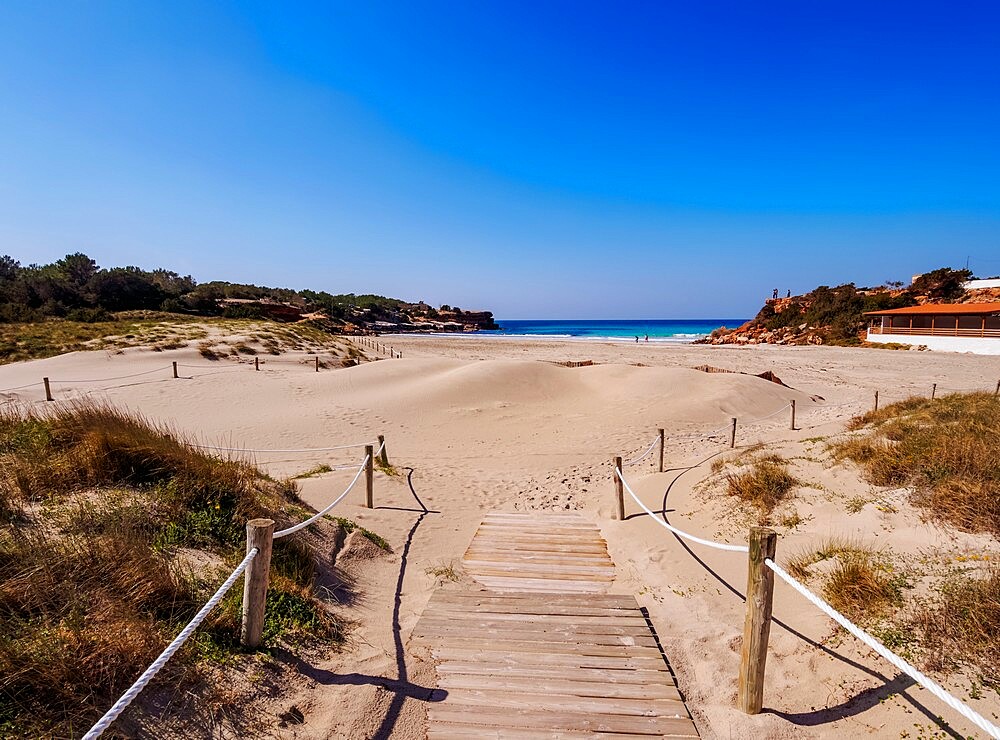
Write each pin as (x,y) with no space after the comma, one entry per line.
(658,330)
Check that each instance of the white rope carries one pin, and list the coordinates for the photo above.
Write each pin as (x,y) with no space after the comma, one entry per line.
(217,368)
(20,387)
(317,515)
(840,405)
(300,449)
(966,711)
(119,706)
(652,446)
(678,532)
(117,377)
(754,421)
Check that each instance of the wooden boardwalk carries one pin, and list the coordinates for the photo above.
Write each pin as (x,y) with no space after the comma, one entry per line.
(543,651)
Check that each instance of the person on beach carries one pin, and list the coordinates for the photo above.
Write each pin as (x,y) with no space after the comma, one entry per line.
(636,338)
(647,337)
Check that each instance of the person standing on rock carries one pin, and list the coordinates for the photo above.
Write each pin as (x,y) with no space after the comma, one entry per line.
(775,296)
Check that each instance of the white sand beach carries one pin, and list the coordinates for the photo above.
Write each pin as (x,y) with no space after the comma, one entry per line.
(495,424)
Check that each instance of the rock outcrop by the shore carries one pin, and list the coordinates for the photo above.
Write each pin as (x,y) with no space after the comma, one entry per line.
(837,315)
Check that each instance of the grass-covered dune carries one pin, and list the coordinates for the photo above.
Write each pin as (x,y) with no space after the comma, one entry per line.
(113,533)
(947,452)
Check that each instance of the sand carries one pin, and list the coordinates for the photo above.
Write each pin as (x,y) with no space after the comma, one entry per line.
(482,424)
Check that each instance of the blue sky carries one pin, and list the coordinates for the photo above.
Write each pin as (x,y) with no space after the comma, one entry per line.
(543,160)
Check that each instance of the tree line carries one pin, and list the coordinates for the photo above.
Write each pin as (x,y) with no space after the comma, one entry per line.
(78,289)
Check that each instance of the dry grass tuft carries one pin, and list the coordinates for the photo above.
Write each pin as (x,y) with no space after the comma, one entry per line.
(863,587)
(862,584)
(96,505)
(962,625)
(948,450)
(765,484)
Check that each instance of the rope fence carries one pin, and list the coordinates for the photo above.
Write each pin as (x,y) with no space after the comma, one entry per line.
(759,597)
(256,567)
(129,696)
(264,451)
(679,532)
(934,688)
(303,524)
(647,453)
(213,369)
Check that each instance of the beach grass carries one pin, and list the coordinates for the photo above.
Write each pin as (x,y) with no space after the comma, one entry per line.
(947,450)
(162,331)
(113,533)
(764,483)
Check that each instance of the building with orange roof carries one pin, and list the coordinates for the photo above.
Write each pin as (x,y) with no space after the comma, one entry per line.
(949,327)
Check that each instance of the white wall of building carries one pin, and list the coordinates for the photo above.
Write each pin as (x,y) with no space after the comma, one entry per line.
(976,345)
(974,284)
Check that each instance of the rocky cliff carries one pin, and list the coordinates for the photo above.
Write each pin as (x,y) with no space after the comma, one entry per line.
(836,315)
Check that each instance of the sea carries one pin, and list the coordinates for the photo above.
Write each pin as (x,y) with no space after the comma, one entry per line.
(624,330)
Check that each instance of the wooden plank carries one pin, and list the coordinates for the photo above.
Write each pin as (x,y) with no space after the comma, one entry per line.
(588,535)
(517,648)
(620,601)
(541,547)
(542,585)
(587,560)
(446,652)
(568,685)
(450,731)
(466,731)
(442,609)
(530,568)
(606,675)
(507,580)
(606,628)
(540,574)
(557,620)
(528,608)
(542,720)
(569,703)
(486,552)
(432,632)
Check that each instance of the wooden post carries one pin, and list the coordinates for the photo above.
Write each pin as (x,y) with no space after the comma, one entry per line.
(260,534)
(390,353)
(384,457)
(876,401)
(661,448)
(256,364)
(997,391)
(793,415)
(732,435)
(619,490)
(370,477)
(48,390)
(757,627)
(174,363)
(933,391)
(317,363)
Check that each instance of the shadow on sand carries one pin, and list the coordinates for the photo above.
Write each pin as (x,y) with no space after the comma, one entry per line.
(855,705)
